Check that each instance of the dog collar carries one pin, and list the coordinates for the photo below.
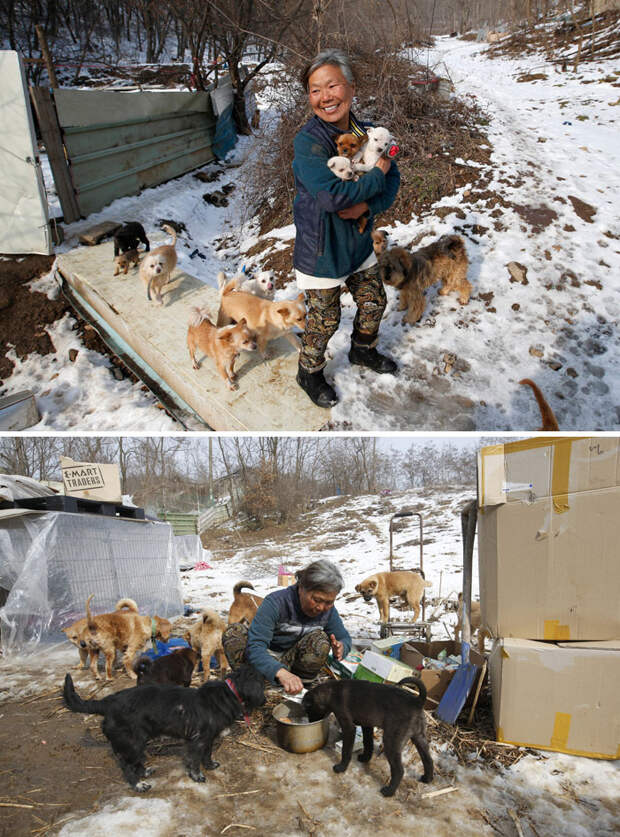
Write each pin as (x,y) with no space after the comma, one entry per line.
(233,689)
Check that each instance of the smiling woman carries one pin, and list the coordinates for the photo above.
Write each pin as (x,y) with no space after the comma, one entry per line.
(331,249)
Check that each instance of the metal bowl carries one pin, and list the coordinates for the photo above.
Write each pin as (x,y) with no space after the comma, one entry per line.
(295,733)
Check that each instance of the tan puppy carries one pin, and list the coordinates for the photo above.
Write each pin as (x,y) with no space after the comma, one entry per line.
(409,585)
(157,266)
(350,145)
(474,623)
(244,605)
(379,242)
(126,631)
(267,320)
(75,633)
(445,261)
(222,344)
(124,261)
(205,637)
(549,421)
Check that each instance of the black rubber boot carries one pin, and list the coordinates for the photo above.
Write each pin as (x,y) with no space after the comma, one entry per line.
(316,387)
(370,357)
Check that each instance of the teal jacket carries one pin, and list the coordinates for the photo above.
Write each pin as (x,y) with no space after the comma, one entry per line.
(327,246)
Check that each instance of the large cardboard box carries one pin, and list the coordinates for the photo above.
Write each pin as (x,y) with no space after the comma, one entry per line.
(435,680)
(549,538)
(557,696)
(380,669)
(91,480)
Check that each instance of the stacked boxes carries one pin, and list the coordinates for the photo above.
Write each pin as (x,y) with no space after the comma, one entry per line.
(549,568)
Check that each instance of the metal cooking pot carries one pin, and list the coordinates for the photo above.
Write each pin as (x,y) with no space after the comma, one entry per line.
(296,734)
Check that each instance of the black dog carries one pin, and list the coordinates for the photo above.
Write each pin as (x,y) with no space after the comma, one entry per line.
(132,717)
(128,238)
(176,668)
(360,703)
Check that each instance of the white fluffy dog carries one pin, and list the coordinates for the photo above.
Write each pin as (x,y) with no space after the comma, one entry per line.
(261,284)
(342,167)
(379,140)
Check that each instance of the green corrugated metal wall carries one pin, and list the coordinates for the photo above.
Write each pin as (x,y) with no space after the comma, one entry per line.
(182,523)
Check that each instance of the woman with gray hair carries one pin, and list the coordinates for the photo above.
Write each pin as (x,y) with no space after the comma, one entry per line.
(330,251)
(293,630)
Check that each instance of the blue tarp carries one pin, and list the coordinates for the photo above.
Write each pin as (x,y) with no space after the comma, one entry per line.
(225,134)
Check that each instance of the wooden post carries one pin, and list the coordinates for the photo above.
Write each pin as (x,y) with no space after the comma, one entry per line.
(52,138)
(46,56)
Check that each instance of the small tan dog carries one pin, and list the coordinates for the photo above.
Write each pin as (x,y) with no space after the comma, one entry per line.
(222,344)
(445,261)
(379,242)
(124,261)
(75,633)
(123,630)
(205,637)
(244,605)
(474,623)
(267,320)
(405,583)
(157,266)
(549,421)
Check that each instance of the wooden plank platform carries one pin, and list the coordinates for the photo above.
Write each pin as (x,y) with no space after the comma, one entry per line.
(268,398)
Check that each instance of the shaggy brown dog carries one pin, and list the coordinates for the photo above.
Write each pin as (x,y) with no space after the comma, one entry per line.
(397,711)
(244,605)
(223,344)
(443,261)
(176,668)
(205,637)
(125,631)
(474,623)
(409,585)
(75,634)
(549,421)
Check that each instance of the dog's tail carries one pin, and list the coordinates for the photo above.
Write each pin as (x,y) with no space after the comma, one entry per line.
(171,231)
(230,286)
(420,699)
(127,604)
(451,245)
(198,316)
(89,616)
(240,585)
(210,617)
(221,280)
(77,704)
(142,666)
(549,421)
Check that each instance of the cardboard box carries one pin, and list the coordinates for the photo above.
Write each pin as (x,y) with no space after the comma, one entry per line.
(435,680)
(557,696)
(390,646)
(286,579)
(91,480)
(548,529)
(379,669)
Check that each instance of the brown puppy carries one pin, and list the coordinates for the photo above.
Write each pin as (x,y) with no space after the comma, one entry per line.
(409,585)
(443,261)
(124,261)
(176,668)
(156,267)
(75,633)
(350,145)
(125,631)
(244,605)
(549,421)
(474,622)
(205,637)
(397,711)
(379,242)
(267,320)
(222,344)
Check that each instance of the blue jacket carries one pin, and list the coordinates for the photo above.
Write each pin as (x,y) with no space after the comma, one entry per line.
(280,622)
(327,246)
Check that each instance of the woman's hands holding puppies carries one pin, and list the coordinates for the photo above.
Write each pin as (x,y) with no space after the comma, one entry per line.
(291,683)
(354,211)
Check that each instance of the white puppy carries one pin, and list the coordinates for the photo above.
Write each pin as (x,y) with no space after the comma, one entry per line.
(342,167)
(379,140)
(263,284)
(157,266)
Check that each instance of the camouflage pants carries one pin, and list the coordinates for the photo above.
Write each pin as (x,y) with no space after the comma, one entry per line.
(305,658)
(323,316)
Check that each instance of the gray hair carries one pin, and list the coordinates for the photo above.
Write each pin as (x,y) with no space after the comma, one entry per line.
(335,57)
(321,575)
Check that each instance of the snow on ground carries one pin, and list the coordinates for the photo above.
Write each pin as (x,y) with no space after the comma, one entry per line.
(554,793)
(554,143)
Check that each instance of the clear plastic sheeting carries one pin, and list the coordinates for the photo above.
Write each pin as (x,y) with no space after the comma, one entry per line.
(51,563)
(190,551)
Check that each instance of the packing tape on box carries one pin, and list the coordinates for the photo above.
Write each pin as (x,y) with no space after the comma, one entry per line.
(553,630)
(561,729)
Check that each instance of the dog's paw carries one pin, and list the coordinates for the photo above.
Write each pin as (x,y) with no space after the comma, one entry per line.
(211,765)
(232,385)
(142,787)
(364,757)
(339,768)
(386,790)
(148,771)
(426,779)
(196,775)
